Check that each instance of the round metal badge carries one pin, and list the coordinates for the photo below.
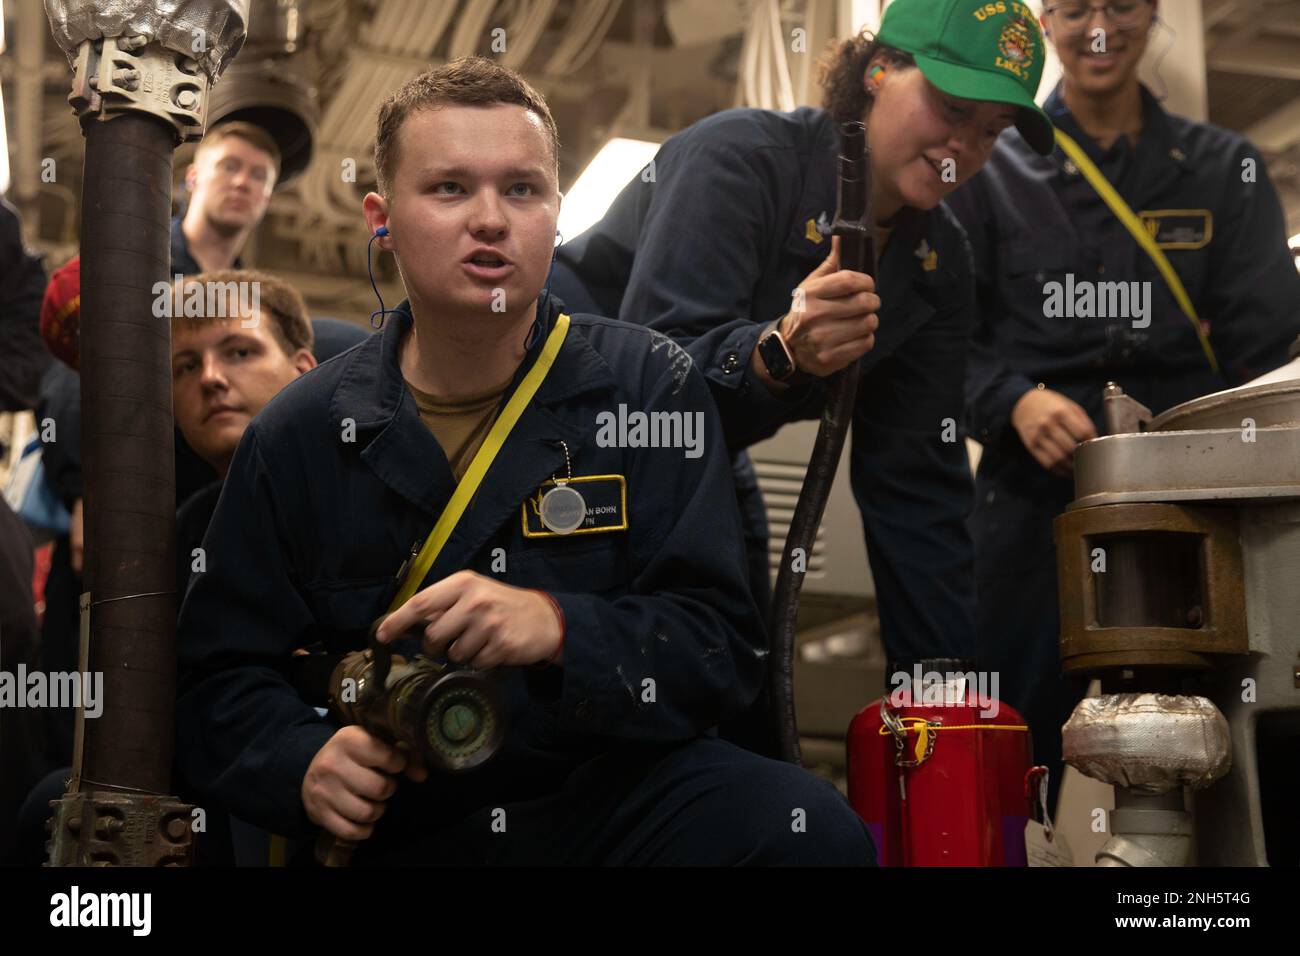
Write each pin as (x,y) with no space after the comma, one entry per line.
(563,509)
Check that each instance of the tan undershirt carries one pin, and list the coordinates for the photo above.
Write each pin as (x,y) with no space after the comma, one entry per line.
(460,426)
(882,239)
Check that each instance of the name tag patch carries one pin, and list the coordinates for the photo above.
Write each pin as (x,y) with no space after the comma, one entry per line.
(1179,228)
(606,501)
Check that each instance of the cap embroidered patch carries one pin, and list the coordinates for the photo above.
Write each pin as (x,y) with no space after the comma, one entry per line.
(1017,47)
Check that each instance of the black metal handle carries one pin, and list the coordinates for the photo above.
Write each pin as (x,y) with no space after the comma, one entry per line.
(381,655)
(855,227)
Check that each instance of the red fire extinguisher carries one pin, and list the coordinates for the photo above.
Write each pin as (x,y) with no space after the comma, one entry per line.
(942,782)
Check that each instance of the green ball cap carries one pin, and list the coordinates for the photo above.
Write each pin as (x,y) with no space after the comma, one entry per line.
(977,51)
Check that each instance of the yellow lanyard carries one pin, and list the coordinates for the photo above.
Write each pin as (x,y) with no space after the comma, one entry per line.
(1134,225)
(478,468)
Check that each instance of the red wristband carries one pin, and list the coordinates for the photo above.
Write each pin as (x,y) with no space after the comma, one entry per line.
(559,612)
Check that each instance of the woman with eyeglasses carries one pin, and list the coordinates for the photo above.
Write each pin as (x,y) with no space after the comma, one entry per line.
(1069,300)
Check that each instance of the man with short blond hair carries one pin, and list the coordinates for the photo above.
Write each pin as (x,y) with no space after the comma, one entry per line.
(620,628)
(230,181)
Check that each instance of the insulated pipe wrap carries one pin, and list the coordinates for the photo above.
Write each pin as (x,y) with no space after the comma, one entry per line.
(209,31)
(1150,743)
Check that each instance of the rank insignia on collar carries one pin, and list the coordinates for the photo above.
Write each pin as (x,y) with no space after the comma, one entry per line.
(815,230)
(605,499)
(929,257)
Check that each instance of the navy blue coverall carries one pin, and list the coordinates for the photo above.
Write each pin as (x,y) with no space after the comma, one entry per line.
(708,250)
(1033,220)
(331,485)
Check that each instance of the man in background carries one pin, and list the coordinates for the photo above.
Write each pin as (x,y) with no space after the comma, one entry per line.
(225,367)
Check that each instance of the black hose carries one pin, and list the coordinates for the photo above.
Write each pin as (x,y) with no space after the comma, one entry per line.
(128,457)
(855,227)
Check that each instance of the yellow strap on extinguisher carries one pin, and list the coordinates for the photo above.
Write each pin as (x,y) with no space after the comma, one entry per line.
(924,728)
(1134,225)
(922,739)
(910,723)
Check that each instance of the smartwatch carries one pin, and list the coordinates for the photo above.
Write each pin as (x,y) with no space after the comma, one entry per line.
(776,355)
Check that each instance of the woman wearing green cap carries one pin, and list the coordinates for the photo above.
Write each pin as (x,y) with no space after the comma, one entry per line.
(737,214)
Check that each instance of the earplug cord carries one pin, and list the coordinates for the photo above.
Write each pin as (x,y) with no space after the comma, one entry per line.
(381,311)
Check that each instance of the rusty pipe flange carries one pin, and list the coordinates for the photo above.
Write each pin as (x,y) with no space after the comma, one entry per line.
(1149,743)
(108,828)
(129,74)
(1114,661)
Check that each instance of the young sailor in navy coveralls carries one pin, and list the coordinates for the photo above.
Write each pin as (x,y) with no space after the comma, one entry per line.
(621,646)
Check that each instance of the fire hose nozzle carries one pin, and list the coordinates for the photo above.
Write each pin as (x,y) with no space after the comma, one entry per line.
(454,718)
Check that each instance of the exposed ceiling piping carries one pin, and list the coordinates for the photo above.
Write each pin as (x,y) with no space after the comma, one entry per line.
(587,26)
(597,35)
(765,81)
(1262,55)
(525,31)
(470,28)
(1278,131)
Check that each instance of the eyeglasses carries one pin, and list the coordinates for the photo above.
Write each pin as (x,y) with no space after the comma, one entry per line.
(1074,15)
